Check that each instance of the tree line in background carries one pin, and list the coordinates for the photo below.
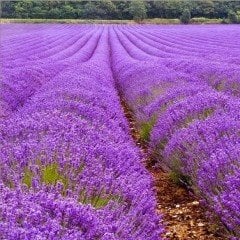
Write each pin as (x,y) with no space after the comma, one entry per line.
(135,9)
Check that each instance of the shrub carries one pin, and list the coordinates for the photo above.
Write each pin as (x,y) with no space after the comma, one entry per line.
(224,21)
(186,16)
(232,17)
(138,10)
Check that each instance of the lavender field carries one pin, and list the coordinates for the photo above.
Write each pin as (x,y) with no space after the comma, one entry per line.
(69,167)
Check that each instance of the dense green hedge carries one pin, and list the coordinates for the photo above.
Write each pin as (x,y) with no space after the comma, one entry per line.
(107,9)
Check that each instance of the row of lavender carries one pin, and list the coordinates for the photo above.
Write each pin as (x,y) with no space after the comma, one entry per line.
(69,168)
(182,84)
(35,55)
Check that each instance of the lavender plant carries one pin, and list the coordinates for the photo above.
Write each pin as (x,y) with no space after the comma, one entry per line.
(69,167)
(182,84)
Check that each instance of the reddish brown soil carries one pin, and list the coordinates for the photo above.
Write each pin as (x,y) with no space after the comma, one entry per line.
(184,217)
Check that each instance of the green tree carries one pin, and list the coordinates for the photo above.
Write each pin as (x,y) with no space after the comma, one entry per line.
(68,11)
(23,9)
(186,16)
(169,8)
(123,10)
(238,16)
(54,13)
(37,12)
(90,10)
(108,9)
(202,8)
(8,9)
(138,10)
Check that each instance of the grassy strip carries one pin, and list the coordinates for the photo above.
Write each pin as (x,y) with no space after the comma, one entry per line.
(82,21)
(203,20)
(97,21)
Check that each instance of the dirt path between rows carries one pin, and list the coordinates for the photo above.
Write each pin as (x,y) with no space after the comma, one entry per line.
(183,216)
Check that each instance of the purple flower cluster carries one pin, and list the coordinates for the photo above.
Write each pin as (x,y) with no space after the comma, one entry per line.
(29,63)
(69,167)
(182,84)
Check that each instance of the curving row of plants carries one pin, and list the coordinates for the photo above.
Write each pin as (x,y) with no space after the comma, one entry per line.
(29,63)
(183,87)
(69,168)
